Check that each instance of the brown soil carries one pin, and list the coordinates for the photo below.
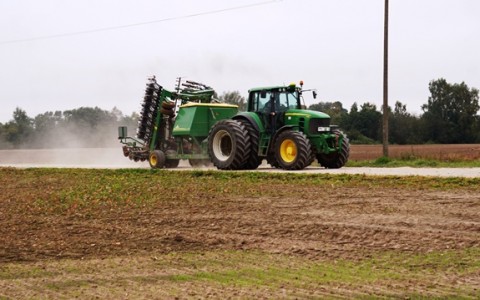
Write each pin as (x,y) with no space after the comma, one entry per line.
(348,222)
(131,251)
(440,152)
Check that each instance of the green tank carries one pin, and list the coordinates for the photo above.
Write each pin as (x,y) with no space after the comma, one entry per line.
(196,119)
(174,125)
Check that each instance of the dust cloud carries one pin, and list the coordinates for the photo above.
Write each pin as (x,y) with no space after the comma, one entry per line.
(68,158)
(70,146)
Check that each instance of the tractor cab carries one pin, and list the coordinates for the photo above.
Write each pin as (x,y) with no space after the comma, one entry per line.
(274,99)
(271,103)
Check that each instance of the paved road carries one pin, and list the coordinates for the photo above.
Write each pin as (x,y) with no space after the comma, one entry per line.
(113,158)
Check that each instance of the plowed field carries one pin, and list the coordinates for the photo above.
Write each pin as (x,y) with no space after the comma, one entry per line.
(143,234)
(438,152)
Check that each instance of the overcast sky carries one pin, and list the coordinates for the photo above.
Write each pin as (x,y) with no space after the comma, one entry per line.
(334,46)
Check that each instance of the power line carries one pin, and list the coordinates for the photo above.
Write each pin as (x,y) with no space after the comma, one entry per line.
(68,34)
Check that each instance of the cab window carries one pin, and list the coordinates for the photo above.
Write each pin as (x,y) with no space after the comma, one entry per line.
(260,100)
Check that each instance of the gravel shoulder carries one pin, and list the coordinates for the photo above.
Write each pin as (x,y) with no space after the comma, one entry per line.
(112,158)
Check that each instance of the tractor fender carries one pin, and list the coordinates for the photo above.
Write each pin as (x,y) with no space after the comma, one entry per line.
(253,119)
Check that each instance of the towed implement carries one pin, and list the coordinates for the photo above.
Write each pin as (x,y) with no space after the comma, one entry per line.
(188,124)
(174,125)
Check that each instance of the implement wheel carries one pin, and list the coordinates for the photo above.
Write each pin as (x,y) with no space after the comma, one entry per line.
(293,150)
(229,145)
(157,159)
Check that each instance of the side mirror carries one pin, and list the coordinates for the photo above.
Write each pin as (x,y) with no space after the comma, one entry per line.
(314,94)
(122,132)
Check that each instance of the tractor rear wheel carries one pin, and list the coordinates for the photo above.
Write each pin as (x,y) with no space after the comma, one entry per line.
(157,159)
(336,160)
(229,145)
(293,150)
(253,161)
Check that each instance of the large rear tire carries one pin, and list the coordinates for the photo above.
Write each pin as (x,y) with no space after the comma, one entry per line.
(229,145)
(157,159)
(293,150)
(336,160)
(253,161)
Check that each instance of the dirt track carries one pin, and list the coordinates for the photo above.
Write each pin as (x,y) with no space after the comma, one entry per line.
(112,158)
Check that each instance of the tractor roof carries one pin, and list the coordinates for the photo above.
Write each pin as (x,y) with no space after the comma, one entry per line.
(270,88)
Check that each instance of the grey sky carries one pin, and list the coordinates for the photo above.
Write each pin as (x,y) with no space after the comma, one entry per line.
(334,46)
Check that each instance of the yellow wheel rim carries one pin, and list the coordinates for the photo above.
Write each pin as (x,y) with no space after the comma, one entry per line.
(153,160)
(288,150)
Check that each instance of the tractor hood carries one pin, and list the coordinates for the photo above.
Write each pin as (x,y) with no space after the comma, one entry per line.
(306,114)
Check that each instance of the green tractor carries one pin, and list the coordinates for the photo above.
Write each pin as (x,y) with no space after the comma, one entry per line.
(276,127)
(188,124)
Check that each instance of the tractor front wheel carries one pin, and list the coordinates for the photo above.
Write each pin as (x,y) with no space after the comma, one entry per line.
(229,145)
(293,150)
(336,160)
(157,159)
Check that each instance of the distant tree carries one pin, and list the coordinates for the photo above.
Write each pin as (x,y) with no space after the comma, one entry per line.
(362,126)
(354,108)
(46,121)
(88,117)
(89,127)
(404,127)
(450,115)
(367,120)
(82,127)
(19,130)
(4,144)
(133,118)
(47,126)
(334,109)
(117,113)
(234,98)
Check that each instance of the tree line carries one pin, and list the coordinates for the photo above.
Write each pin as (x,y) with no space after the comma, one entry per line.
(450,116)
(81,127)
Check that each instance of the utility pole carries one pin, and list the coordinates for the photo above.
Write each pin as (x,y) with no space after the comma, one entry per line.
(385,83)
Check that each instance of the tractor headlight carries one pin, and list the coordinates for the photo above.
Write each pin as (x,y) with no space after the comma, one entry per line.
(318,125)
(323,129)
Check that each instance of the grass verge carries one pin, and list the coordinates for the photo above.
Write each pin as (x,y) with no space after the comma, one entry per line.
(244,274)
(63,190)
(385,162)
